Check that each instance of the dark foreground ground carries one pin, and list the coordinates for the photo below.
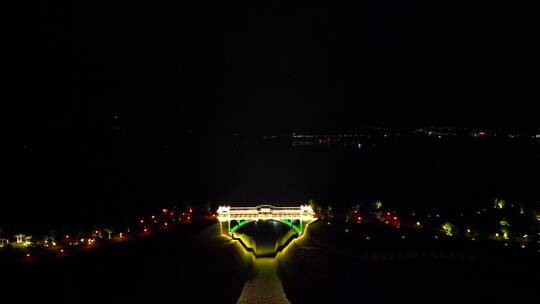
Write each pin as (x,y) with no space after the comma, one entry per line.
(328,266)
(193,264)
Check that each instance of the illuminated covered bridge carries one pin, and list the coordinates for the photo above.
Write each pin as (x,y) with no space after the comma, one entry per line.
(295,217)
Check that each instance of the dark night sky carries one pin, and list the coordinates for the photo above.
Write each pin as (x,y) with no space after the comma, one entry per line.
(270,66)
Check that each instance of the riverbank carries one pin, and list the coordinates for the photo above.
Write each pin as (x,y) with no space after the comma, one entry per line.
(192,264)
(320,269)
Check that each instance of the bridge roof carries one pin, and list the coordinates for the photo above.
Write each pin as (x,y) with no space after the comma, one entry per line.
(264,212)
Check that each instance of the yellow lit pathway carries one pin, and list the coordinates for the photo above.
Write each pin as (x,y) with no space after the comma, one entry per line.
(265,286)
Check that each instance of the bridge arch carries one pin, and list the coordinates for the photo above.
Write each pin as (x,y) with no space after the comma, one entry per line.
(234,225)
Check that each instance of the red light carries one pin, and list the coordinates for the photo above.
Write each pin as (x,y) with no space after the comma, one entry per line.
(61,250)
(188,218)
(142,221)
(164,210)
(190,210)
(165,224)
(387,213)
(28,255)
(172,213)
(386,222)
(395,217)
(97,232)
(153,216)
(67,236)
(145,230)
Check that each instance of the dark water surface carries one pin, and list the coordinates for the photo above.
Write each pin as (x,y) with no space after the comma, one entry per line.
(133,177)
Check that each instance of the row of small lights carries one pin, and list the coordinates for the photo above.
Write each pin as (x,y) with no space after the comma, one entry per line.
(121,236)
(419,224)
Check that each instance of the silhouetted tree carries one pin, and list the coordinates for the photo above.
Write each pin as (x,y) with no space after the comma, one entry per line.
(109,232)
